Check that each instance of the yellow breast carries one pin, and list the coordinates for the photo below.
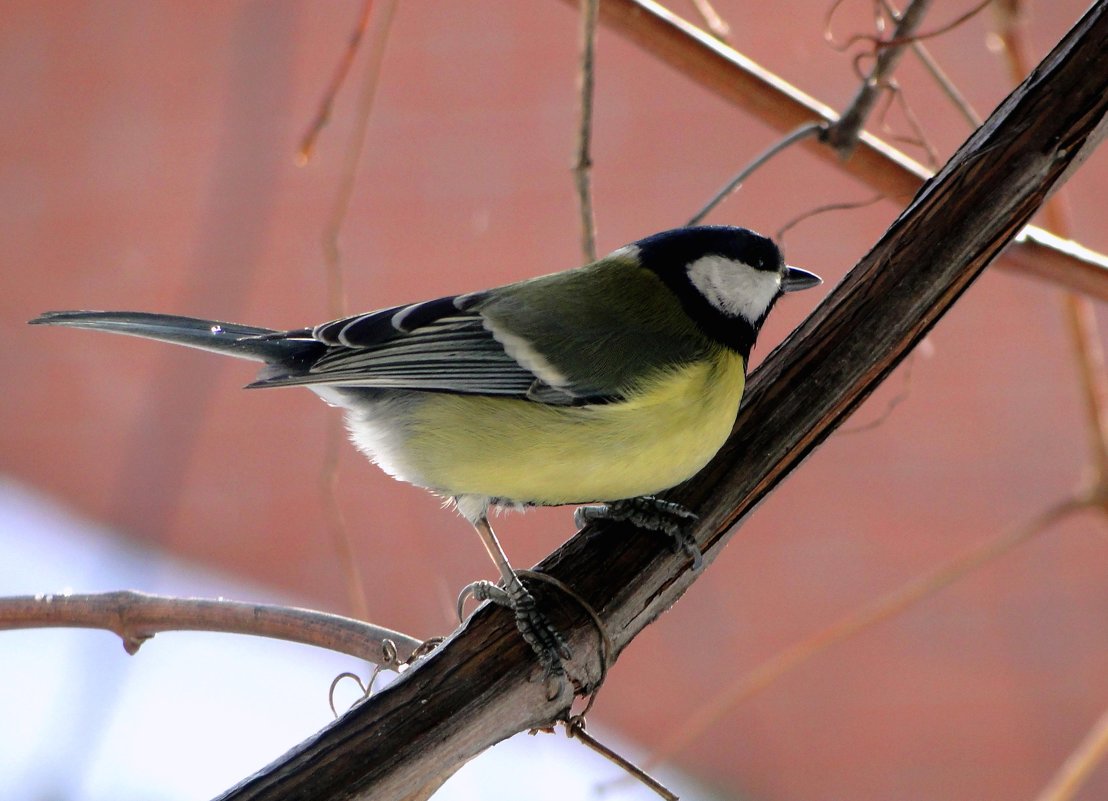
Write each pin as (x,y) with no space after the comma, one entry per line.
(530,452)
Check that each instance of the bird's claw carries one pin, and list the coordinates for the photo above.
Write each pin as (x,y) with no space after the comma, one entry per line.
(536,630)
(654,514)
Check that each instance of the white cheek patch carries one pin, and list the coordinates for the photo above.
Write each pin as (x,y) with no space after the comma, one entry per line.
(733,287)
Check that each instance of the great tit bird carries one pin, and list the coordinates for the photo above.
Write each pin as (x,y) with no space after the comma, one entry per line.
(608,382)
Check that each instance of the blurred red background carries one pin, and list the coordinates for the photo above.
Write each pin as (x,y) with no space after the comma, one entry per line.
(147,162)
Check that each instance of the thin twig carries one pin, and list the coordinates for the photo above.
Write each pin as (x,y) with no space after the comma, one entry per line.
(897,399)
(351,158)
(1089,352)
(850,205)
(1060,261)
(939,75)
(323,115)
(716,24)
(918,137)
(336,306)
(919,37)
(346,674)
(843,134)
(1078,765)
(575,729)
(582,170)
(137,616)
(898,40)
(389,661)
(829,36)
(803,132)
(887,606)
(968,112)
(333,443)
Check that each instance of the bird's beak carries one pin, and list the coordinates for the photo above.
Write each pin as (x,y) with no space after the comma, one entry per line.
(797,279)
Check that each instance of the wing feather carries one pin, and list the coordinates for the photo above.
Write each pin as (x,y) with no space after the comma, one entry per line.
(433,346)
(484,343)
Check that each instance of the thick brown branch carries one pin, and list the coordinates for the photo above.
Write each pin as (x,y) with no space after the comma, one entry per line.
(751,87)
(1042,254)
(480,686)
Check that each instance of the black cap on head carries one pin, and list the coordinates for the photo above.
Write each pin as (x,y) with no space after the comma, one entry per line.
(671,254)
(674,249)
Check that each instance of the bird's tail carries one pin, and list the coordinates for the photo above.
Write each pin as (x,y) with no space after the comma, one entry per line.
(243,341)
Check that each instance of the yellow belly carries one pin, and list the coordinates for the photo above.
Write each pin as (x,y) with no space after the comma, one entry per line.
(529,452)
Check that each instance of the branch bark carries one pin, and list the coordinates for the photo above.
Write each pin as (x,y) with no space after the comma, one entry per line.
(481,686)
(138,616)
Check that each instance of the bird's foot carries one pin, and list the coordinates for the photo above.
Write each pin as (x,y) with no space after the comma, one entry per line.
(655,514)
(544,639)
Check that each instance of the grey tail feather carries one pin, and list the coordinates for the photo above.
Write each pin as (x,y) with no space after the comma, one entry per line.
(243,341)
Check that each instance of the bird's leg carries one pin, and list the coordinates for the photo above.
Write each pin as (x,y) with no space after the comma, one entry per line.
(654,514)
(539,634)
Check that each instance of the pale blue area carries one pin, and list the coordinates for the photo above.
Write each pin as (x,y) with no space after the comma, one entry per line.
(192,713)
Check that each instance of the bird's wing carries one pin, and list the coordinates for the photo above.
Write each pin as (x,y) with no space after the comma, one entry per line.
(558,339)
(437,345)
